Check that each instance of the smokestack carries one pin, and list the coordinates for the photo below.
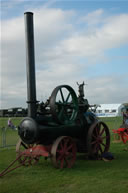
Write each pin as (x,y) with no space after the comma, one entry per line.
(30,65)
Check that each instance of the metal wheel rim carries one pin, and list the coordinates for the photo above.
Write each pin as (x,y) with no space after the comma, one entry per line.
(60,109)
(98,139)
(63,152)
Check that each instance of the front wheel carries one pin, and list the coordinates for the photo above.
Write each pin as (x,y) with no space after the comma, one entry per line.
(63,152)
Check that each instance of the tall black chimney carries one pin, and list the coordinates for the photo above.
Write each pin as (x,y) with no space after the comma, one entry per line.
(30,65)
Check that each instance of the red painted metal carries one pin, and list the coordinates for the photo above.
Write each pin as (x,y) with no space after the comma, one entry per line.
(98,140)
(63,152)
(36,151)
(9,169)
(123,132)
(28,156)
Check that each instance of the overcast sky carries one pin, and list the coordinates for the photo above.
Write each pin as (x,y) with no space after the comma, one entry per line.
(75,41)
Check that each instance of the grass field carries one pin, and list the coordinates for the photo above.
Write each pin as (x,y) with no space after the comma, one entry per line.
(87,176)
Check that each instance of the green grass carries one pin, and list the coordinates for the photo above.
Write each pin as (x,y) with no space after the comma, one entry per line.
(87,176)
(112,122)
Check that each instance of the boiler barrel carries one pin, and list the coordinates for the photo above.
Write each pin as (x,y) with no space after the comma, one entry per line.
(32,132)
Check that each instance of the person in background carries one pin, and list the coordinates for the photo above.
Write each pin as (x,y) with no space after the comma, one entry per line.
(10,124)
(125,117)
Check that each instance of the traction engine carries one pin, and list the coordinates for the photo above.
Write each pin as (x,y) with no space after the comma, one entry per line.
(60,127)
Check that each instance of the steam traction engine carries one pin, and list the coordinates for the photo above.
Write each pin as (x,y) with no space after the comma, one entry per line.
(60,127)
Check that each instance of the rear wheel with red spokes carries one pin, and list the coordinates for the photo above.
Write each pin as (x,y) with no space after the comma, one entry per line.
(98,139)
(63,152)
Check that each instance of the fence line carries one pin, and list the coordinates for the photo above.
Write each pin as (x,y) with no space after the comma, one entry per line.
(3,137)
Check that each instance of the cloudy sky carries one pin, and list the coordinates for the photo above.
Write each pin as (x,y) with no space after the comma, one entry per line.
(75,41)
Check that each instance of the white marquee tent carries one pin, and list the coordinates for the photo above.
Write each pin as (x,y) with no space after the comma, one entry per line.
(109,110)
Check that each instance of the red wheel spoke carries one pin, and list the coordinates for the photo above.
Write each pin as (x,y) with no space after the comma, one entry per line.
(70,147)
(101,133)
(65,143)
(63,152)
(61,146)
(97,131)
(59,151)
(99,139)
(68,162)
(59,157)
